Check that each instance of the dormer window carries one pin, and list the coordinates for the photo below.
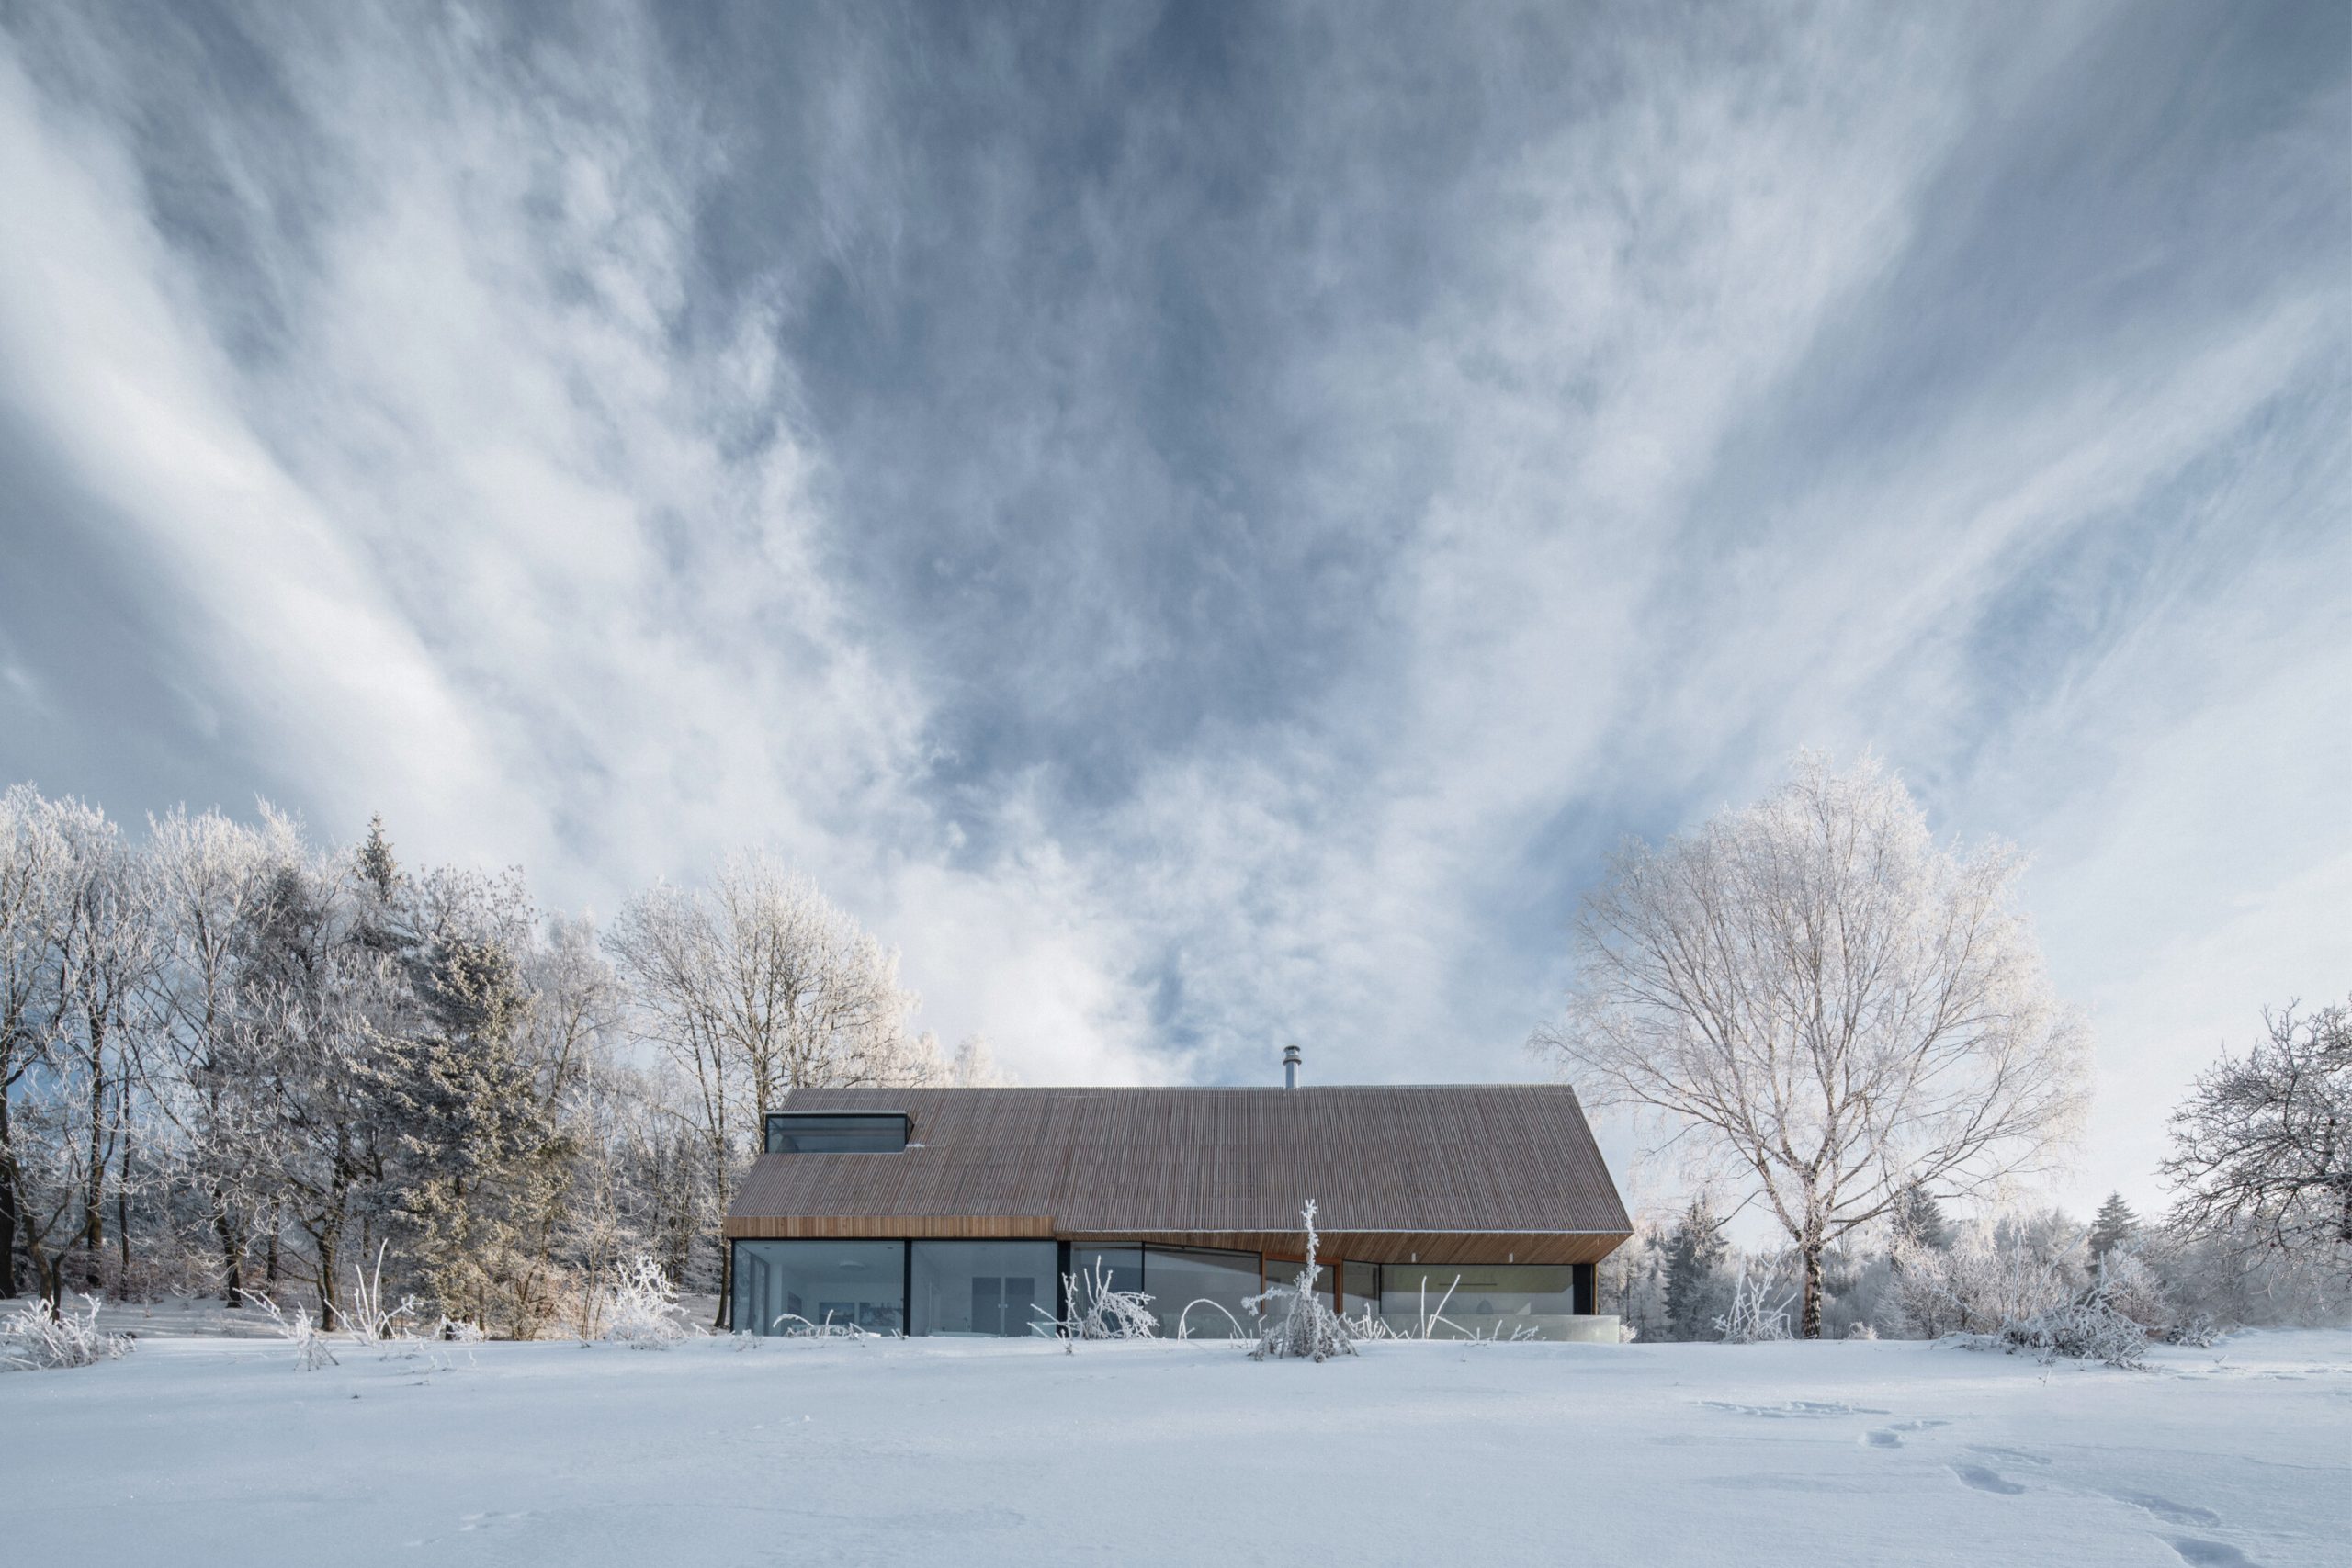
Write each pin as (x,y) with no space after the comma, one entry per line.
(837,1132)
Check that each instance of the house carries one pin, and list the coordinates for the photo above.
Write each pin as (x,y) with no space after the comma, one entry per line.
(961,1210)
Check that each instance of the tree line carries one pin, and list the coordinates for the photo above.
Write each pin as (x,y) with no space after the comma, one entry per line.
(1837,1020)
(235,1060)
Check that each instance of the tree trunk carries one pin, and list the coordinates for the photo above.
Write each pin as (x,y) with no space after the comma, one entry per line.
(1811,1248)
(725,1283)
(122,1197)
(8,1206)
(233,1255)
(327,1323)
(93,1213)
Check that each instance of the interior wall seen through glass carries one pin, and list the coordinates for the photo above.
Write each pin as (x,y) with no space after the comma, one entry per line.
(844,1282)
(996,1289)
(1360,1289)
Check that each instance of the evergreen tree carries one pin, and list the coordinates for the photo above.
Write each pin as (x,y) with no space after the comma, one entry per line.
(1694,1251)
(377,868)
(1918,1218)
(2114,1224)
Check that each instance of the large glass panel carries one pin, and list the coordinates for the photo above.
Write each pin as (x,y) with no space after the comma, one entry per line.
(836,1133)
(856,1282)
(1179,1276)
(1360,1289)
(994,1289)
(1482,1297)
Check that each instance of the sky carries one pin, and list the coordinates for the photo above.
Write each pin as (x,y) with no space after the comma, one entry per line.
(1204,525)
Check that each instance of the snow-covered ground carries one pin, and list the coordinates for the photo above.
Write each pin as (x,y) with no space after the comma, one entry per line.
(212,1451)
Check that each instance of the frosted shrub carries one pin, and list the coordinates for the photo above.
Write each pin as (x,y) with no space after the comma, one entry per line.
(1106,1313)
(641,1307)
(1863,1330)
(1294,1320)
(1989,1277)
(2090,1326)
(310,1348)
(803,1329)
(1754,1317)
(370,1320)
(39,1337)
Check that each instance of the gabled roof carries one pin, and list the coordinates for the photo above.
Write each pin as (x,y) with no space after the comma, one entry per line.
(1444,1172)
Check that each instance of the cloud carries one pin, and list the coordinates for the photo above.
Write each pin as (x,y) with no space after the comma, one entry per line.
(1201,527)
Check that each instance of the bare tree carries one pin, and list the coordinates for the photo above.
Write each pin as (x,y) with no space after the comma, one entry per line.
(2262,1148)
(211,879)
(33,860)
(1834,1009)
(758,987)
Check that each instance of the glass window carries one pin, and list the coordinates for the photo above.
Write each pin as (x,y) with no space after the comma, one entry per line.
(836,1133)
(1360,1289)
(1480,1293)
(1179,1276)
(994,1289)
(857,1283)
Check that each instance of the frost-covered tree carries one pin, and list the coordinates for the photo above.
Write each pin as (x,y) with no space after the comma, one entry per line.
(757,987)
(2113,1225)
(210,880)
(1696,1292)
(34,862)
(2262,1148)
(974,1065)
(1633,1281)
(74,1055)
(1839,1008)
(233,1058)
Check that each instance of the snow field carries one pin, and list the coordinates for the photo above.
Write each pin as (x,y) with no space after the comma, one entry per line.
(211,1451)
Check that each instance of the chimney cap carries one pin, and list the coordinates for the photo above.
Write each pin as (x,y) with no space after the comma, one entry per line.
(1290,1054)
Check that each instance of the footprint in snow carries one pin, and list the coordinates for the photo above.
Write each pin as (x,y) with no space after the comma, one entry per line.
(1985,1480)
(1800,1409)
(1891,1437)
(2209,1553)
(2172,1513)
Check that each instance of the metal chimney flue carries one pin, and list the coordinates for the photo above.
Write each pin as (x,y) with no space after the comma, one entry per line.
(1290,1066)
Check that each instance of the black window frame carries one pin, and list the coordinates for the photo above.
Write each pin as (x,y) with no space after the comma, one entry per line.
(878,1128)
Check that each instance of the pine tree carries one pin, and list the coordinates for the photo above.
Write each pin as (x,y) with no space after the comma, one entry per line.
(2114,1224)
(377,867)
(1918,1218)
(1694,1251)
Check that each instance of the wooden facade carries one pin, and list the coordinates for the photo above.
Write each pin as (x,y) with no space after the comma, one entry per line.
(1466,1173)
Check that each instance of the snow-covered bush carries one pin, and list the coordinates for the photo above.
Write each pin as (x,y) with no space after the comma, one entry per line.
(2092,1325)
(1098,1312)
(641,1307)
(38,1336)
(2010,1270)
(311,1350)
(1294,1321)
(369,1321)
(1863,1329)
(1759,1312)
